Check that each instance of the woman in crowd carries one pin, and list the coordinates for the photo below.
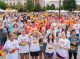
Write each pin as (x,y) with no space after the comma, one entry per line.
(42,44)
(11,47)
(24,42)
(15,30)
(76,26)
(73,45)
(51,30)
(62,46)
(3,34)
(35,36)
(50,47)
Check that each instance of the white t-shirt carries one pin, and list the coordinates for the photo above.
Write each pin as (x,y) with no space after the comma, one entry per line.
(76,27)
(50,47)
(68,34)
(34,45)
(65,43)
(11,45)
(24,48)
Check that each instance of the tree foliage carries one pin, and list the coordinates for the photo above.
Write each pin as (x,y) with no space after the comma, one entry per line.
(38,7)
(78,7)
(19,7)
(44,8)
(3,5)
(30,5)
(50,7)
(69,5)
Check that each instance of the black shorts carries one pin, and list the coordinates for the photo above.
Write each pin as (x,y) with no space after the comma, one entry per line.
(24,53)
(34,53)
(60,56)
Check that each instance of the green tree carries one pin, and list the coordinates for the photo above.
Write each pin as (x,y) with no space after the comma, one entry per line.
(13,7)
(44,8)
(78,7)
(48,7)
(52,7)
(19,6)
(3,5)
(61,7)
(38,7)
(30,5)
(69,5)
(25,6)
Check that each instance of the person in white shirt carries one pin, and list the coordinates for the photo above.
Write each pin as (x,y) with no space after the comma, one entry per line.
(76,26)
(62,47)
(11,47)
(50,47)
(52,30)
(24,41)
(35,36)
(42,44)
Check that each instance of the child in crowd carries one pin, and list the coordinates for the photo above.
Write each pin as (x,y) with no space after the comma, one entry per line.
(35,36)
(24,42)
(11,47)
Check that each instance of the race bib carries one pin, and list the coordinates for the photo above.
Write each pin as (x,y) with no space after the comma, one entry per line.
(23,44)
(50,48)
(73,46)
(34,42)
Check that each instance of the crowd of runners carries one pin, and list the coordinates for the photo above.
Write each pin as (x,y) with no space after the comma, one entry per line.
(39,35)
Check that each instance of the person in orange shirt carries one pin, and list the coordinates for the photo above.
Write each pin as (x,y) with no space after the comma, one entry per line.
(71,22)
(66,22)
(28,26)
(37,24)
(47,24)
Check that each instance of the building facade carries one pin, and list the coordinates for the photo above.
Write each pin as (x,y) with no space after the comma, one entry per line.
(14,2)
(50,2)
(41,2)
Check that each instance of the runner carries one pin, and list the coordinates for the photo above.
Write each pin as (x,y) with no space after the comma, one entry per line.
(50,47)
(73,45)
(11,47)
(24,42)
(35,36)
(62,47)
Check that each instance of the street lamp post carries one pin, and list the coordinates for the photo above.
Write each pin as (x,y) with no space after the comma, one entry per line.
(59,7)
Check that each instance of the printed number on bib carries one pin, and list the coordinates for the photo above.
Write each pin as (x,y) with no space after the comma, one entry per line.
(50,48)
(34,42)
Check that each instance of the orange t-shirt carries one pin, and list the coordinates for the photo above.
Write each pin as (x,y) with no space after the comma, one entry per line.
(71,22)
(66,22)
(28,28)
(37,25)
